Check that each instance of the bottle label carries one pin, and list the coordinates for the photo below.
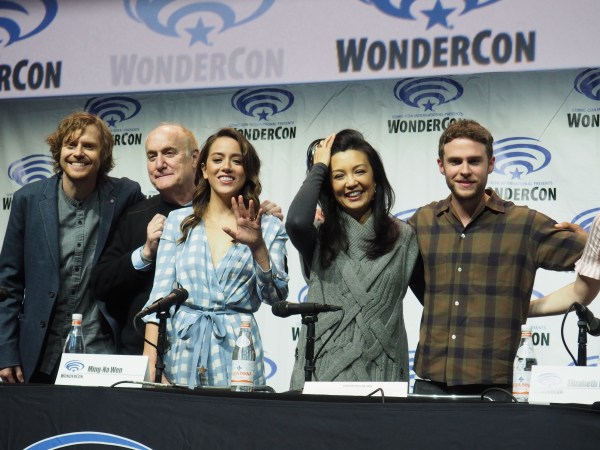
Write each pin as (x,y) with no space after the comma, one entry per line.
(242,341)
(521,382)
(242,373)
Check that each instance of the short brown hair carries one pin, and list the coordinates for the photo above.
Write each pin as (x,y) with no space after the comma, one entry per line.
(74,124)
(469,129)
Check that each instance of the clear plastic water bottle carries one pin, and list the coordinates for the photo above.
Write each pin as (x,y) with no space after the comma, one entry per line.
(524,359)
(243,360)
(74,343)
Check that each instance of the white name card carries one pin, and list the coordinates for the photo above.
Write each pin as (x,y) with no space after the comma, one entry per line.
(358,388)
(564,384)
(101,370)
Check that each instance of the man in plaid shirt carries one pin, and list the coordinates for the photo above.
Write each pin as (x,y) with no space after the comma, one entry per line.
(479,256)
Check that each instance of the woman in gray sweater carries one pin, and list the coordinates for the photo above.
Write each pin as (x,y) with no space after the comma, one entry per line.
(359,258)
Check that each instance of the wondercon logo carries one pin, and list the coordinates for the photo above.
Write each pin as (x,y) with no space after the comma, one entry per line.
(86,437)
(199,20)
(588,83)
(263,102)
(405,215)
(20,21)
(585,219)
(31,168)
(74,365)
(427,93)
(436,15)
(518,156)
(270,368)
(113,110)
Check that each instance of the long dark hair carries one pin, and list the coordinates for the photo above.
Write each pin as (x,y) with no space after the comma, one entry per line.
(250,191)
(332,233)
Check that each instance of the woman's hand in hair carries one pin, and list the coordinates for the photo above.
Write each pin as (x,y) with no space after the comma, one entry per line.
(323,150)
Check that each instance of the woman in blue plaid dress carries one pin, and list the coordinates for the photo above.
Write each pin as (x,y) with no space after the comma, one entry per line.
(228,257)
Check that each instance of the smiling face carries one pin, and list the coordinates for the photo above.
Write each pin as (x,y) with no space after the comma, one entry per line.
(171,164)
(224,168)
(80,156)
(353,183)
(466,166)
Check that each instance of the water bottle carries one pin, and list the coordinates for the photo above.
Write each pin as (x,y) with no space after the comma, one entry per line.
(243,360)
(524,359)
(74,343)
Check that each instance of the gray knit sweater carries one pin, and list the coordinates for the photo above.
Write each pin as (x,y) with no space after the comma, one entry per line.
(371,343)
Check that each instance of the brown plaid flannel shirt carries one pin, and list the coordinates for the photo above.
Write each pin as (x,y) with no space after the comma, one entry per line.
(476,284)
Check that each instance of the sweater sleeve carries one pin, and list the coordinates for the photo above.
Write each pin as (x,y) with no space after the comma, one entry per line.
(301,216)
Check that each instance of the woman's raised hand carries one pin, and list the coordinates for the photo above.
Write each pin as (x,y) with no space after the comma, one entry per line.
(248,230)
(323,150)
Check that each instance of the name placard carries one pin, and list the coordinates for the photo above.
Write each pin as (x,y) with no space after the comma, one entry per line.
(564,384)
(101,370)
(358,388)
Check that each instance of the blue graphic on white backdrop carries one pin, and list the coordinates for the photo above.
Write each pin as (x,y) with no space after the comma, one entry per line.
(113,110)
(437,14)
(303,295)
(196,20)
(585,218)
(262,103)
(74,365)
(31,168)
(86,437)
(405,215)
(270,368)
(427,93)
(21,21)
(588,83)
(519,156)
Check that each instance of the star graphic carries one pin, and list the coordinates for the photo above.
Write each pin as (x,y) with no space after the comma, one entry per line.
(111,122)
(263,115)
(199,32)
(516,174)
(438,15)
(429,105)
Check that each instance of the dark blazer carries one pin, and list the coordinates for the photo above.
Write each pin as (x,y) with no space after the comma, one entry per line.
(29,263)
(116,282)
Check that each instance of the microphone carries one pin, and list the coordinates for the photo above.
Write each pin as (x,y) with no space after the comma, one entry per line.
(285,309)
(176,297)
(585,314)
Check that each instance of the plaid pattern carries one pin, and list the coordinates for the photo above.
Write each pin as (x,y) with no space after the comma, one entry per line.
(478,284)
(589,264)
(203,330)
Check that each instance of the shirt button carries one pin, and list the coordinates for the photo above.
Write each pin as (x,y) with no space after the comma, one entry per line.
(462,236)
(453,336)
(456,303)
(460,269)
(42,324)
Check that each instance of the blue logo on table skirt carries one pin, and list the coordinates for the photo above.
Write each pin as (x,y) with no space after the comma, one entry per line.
(519,156)
(23,21)
(585,218)
(427,92)
(588,83)
(86,437)
(438,14)
(31,168)
(200,20)
(263,102)
(74,365)
(113,110)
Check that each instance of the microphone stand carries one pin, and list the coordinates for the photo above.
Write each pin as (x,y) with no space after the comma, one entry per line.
(160,344)
(309,366)
(582,343)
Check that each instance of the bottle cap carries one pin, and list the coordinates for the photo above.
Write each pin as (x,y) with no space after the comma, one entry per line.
(246,320)
(77,317)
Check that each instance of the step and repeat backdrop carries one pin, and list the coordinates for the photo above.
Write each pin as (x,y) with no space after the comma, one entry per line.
(287,72)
